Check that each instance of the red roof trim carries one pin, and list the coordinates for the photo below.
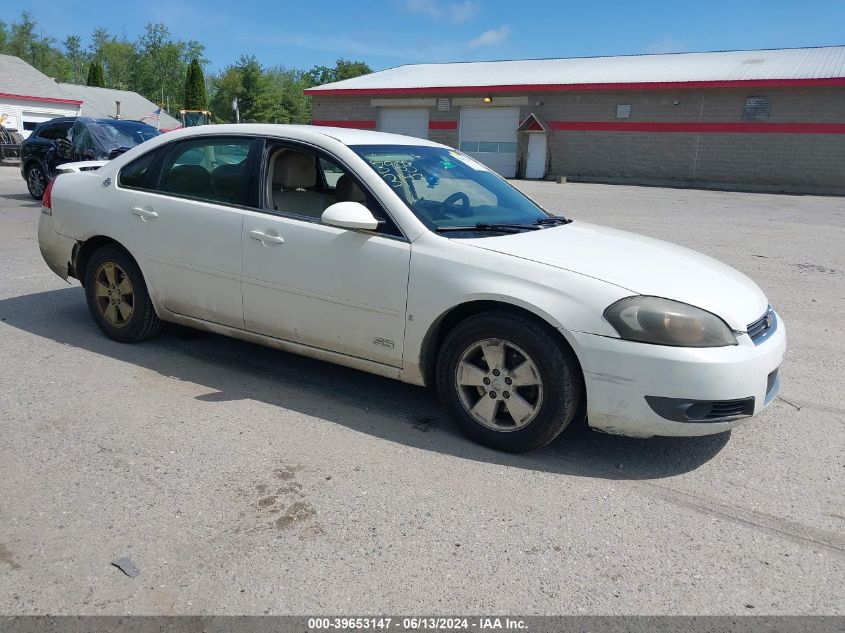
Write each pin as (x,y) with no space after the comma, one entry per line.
(5,95)
(644,85)
(360,124)
(442,125)
(695,127)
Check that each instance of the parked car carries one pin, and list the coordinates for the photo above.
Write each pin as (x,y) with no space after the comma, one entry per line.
(420,264)
(68,139)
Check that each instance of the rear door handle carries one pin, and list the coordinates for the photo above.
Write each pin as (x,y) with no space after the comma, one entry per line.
(144,214)
(266,238)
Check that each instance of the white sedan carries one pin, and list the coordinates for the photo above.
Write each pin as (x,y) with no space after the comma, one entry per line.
(408,259)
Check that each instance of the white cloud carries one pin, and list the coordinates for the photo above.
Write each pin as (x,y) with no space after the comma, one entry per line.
(666,45)
(464,11)
(457,12)
(493,36)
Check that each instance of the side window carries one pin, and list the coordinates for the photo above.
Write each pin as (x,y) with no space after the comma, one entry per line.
(305,184)
(83,144)
(212,169)
(56,131)
(63,131)
(134,174)
(47,131)
(40,130)
(330,172)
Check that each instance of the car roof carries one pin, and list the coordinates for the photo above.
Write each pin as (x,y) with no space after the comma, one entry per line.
(108,121)
(353,136)
(347,136)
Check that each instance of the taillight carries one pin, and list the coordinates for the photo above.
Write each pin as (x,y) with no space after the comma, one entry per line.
(46,199)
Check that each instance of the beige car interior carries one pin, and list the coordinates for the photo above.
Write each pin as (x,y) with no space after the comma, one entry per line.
(294,182)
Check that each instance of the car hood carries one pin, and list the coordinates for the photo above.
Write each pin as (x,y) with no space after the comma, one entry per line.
(643,265)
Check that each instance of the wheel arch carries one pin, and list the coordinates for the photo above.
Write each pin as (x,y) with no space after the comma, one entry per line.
(86,248)
(443,324)
(29,163)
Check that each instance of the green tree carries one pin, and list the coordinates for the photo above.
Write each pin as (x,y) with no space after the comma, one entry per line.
(22,41)
(195,96)
(99,38)
(343,69)
(225,86)
(75,57)
(119,59)
(96,75)
(291,105)
(255,98)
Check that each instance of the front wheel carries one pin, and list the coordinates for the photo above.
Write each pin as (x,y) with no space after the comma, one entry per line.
(36,182)
(508,382)
(118,298)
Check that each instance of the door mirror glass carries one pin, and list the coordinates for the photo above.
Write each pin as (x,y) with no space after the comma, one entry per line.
(350,215)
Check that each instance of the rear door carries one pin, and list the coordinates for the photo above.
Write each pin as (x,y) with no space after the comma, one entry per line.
(187,225)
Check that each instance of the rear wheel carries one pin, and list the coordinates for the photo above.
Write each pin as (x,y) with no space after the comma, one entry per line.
(36,182)
(508,382)
(118,298)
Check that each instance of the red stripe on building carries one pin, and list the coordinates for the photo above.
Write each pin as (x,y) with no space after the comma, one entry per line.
(442,125)
(700,128)
(645,85)
(5,95)
(361,124)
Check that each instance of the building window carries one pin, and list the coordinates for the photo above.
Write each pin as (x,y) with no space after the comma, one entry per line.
(488,147)
(443,104)
(756,108)
(623,111)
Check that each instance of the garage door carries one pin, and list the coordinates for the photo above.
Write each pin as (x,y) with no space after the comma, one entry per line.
(489,135)
(407,121)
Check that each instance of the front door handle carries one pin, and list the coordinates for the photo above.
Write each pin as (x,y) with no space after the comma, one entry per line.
(144,214)
(266,238)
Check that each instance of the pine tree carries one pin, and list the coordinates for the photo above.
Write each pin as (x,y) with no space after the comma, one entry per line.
(96,75)
(195,96)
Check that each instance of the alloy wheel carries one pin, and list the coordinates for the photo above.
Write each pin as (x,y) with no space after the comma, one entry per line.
(114,294)
(499,385)
(35,181)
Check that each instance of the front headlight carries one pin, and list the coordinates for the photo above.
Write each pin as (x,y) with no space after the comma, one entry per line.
(665,322)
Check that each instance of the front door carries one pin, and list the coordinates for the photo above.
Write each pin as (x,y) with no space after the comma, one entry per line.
(187,228)
(318,285)
(535,166)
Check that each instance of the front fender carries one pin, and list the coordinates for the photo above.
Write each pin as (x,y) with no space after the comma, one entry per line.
(446,275)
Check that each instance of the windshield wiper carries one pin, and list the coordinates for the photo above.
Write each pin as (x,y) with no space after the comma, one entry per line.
(552,221)
(492,227)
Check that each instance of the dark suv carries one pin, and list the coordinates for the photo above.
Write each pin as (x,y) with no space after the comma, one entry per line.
(70,139)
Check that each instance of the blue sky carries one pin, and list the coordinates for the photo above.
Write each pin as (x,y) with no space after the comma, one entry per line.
(389,33)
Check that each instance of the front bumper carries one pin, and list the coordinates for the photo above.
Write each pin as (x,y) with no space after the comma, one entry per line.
(620,374)
(56,249)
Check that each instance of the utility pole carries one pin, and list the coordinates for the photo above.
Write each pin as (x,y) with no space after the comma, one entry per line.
(235,110)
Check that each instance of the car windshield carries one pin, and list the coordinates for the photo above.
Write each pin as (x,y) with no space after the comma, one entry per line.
(121,134)
(448,190)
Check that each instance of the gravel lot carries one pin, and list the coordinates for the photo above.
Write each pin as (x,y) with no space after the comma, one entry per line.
(244,480)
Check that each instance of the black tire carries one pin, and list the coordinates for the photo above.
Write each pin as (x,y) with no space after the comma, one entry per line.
(36,182)
(562,392)
(142,321)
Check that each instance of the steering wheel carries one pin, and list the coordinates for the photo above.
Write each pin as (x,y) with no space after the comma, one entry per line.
(450,205)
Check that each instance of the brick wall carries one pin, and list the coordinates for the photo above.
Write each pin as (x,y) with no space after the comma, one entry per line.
(811,163)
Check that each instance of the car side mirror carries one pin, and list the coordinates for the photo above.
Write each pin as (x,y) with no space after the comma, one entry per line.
(350,215)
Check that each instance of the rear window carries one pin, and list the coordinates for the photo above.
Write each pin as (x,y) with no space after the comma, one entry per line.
(134,175)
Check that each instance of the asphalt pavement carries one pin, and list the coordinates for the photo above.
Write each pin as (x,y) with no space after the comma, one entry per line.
(242,480)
